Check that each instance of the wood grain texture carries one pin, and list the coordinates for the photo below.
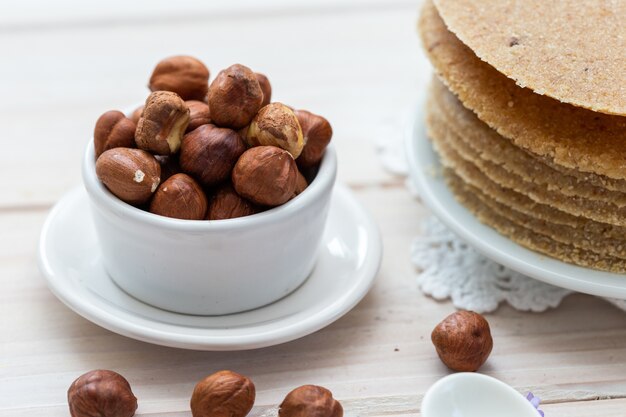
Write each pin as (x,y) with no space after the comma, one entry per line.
(360,67)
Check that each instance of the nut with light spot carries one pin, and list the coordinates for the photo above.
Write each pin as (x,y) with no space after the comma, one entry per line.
(276,125)
(162,124)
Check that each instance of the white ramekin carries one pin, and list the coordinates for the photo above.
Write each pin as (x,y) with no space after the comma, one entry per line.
(210,267)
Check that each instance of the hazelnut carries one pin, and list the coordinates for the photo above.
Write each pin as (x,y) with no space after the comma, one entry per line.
(136,114)
(223,394)
(101,393)
(113,130)
(162,123)
(276,125)
(179,197)
(310,401)
(132,175)
(184,75)
(463,341)
(227,204)
(199,114)
(169,165)
(317,134)
(209,153)
(265,175)
(301,183)
(235,96)
(266,87)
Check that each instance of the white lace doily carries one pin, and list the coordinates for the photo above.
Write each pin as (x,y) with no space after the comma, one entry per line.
(450,269)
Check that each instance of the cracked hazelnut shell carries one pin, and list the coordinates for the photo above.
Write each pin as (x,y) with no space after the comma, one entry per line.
(265,175)
(162,124)
(184,75)
(113,130)
(235,96)
(266,87)
(317,134)
(310,401)
(209,153)
(227,204)
(276,125)
(199,114)
(179,197)
(101,393)
(223,394)
(132,175)
(463,341)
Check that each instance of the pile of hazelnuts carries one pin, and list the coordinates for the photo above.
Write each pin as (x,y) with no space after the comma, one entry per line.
(198,151)
(106,393)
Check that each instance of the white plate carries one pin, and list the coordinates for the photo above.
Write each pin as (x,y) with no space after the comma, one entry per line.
(349,260)
(469,394)
(425,170)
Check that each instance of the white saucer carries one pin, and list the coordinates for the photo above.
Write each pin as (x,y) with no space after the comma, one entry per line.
(349,260)
(425,170)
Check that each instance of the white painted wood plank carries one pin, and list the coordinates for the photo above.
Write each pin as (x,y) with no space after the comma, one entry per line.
(574,352)
(360,70)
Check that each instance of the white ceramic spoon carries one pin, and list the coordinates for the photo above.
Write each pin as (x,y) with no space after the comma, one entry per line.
(470,394)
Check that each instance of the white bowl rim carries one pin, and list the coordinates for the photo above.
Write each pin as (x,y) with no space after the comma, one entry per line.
(321,184)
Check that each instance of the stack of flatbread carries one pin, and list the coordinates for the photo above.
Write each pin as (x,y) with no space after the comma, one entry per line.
(528,115)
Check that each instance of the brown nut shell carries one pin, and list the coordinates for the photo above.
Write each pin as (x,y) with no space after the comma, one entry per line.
(235,96)
(310,401)
(179,197)
(162,124)
(184,75)
(209,153)
(265,175)
(301,183)
(227,204)
(463,341)
(317,134)
(132,175)
(113,130)
(276,125)
(101,393)
(266,87)
(199,114)
(223,394)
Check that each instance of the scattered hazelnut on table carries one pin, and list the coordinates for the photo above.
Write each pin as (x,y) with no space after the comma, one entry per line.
(266,87)
(317,134)
(179,197)
(227,204)
(223,394)
(276,125)
(101,393)
(310,401)
(235,96)
(132,175)
(463,341)
(209,153)
(113,130)
(199,114)
(162,124)
(184,75)
(265,175)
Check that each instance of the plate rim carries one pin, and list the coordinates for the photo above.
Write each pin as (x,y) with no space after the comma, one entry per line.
(345,302)
(533,264)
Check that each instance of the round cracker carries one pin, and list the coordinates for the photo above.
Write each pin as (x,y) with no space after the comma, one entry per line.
(572,50)
(569,136)
(530,239)
(491,146)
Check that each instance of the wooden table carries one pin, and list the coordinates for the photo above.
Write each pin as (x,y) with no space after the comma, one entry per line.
(359,64)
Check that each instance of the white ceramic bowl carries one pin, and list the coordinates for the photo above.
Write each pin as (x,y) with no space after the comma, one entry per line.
(210,267)
(469,394)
